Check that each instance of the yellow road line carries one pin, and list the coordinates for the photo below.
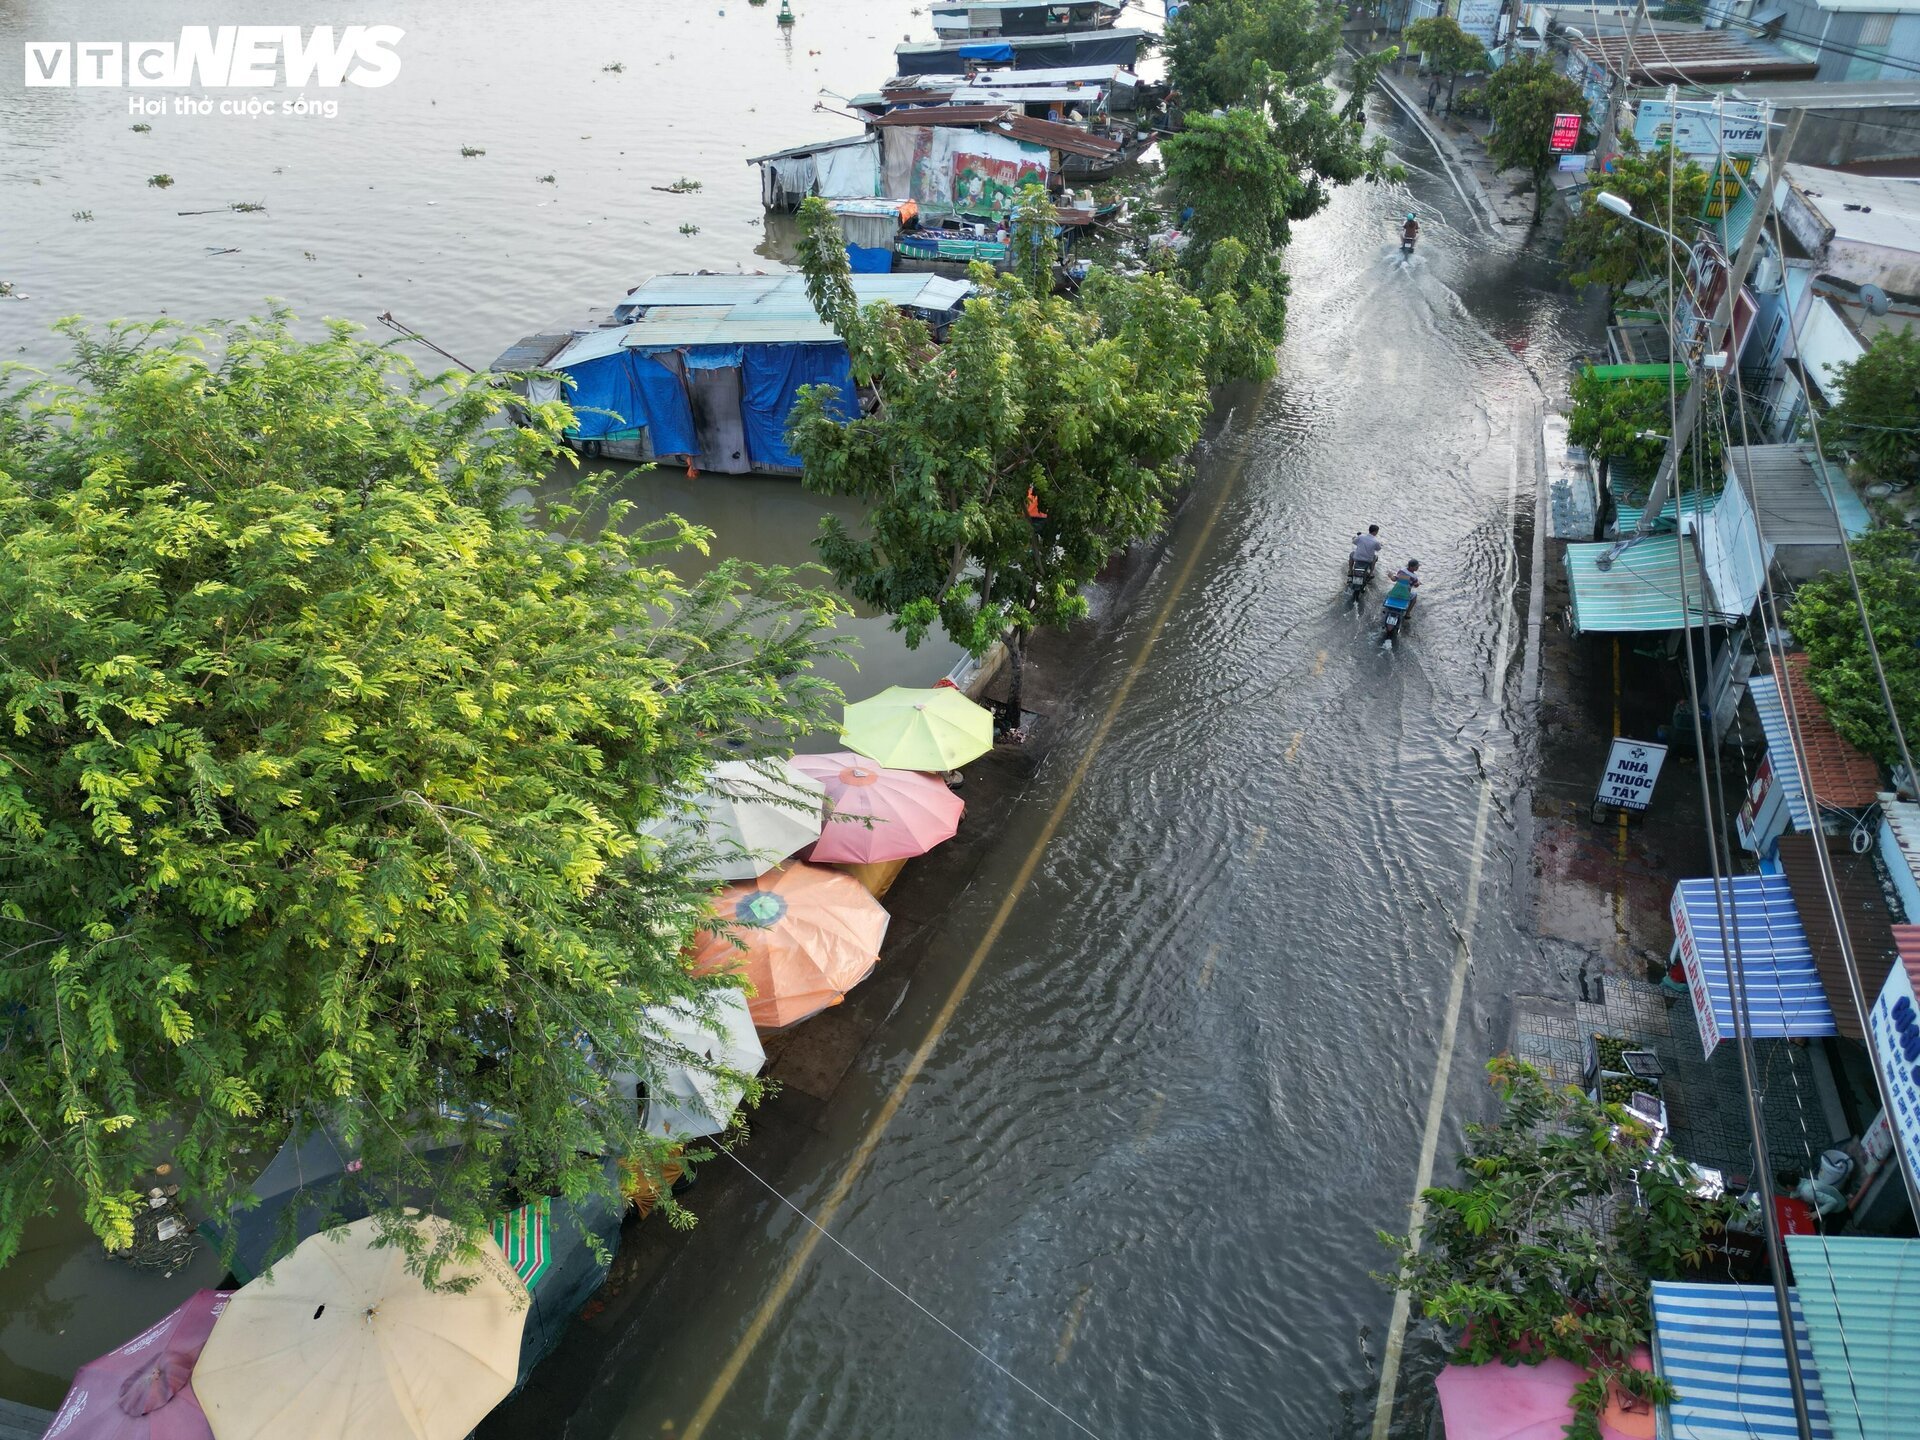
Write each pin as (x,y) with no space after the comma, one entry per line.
(1320,662)
(1259,840)
(1072,1327)
(1293,745)
(1151,1120)
(756,1330)
(1206,966)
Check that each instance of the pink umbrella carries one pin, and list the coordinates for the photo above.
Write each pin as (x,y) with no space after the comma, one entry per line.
(144,1390)
(1512,1402)
(878,814)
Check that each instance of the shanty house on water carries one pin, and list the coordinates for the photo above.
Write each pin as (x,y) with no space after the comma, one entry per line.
(704,369)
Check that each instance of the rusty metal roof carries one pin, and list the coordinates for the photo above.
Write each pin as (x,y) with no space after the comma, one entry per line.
(1668,57)
(1049,134)
(1864,907)
(1839,775)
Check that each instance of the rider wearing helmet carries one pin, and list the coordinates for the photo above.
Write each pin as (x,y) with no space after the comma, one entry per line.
(1405,583)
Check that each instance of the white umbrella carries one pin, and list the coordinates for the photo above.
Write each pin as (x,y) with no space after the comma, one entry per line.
(340,1338)
(686,1098)
(751,814)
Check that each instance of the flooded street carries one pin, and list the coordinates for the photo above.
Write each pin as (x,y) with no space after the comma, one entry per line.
(1185,1084)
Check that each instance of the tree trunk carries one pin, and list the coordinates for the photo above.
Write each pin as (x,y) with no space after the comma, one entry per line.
(1016,676)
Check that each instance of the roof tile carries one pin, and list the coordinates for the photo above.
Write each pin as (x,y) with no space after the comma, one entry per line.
(1839,775)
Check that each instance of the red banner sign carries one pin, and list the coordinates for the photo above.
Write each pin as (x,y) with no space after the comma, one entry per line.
(1566,134)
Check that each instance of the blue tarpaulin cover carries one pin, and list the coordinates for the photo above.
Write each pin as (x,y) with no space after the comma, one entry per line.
(987,50)
(770,377)
(713,357)
(639,392)
(870,259)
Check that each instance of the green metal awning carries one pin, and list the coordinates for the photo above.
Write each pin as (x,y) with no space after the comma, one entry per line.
(1861,1299)
(1634,372)
(1641,591)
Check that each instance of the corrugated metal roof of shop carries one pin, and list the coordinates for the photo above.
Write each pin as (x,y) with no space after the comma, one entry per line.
(1732,226)
(1002,119)
(1906,942)
(1785,996)
(1861,1298)
(944,115)
(1841,776)
(1869,919)
(1767,704)
(1785,484)
(1641,592)
(1721,1349)
(786,293)
(793,151)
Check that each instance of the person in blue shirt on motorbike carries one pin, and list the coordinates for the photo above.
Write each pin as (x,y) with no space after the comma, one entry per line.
(1405,582)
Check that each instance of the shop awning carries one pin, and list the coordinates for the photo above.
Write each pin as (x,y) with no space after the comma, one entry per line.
(1785,996)
(1640,591)
(1764,690)
(1861,1297)
(1720,1348)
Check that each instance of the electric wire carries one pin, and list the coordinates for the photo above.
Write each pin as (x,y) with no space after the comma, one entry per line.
(836,1242)
(1725,900)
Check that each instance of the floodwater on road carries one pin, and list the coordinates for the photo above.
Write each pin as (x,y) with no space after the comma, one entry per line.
(1145,1162)
(1144,1165)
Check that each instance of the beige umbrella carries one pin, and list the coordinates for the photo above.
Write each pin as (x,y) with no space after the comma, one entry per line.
(341,1339)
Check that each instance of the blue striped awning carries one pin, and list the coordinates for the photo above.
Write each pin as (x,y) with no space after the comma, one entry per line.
(1785,995)
(1719,1346)
(1765,690)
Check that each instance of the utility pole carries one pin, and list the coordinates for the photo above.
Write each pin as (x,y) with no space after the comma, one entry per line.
(1616,87)
(1716,333)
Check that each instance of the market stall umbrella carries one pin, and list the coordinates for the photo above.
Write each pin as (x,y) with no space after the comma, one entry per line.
(686,1098)
(342,1339)
(936,729)
(876,814)
(810,935)
(144,1390)
(1513,1402)
(750,814)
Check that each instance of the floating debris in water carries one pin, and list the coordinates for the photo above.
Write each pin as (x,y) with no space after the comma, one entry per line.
(689,229)
(682,186)
(308,254)
(223,250)
(247,207)
(546,179)
(142,128)
(8,292)
(467,152)
(83,215)
(616,68)
(160,182)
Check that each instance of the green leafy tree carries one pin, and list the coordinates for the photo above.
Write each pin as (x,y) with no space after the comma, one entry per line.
(1221,53)
(1623,422)
(1825,619)
(1564,1216)
(320,771)
(1523,96)
(1446,49)
(1082,412)
(1878,418)
(1249,174)
(1602,248)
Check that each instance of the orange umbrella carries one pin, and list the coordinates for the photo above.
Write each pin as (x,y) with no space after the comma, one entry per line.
(811,934)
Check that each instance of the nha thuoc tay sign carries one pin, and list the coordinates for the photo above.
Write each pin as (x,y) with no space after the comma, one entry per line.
(222,57)
(1632,768)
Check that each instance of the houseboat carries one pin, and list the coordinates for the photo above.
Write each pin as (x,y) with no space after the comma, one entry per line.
(991,19)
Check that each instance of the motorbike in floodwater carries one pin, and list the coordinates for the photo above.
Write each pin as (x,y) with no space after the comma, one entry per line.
(1407,236)
(1359,576)
(1396,612)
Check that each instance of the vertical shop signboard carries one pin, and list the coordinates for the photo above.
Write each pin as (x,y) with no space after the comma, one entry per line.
(1697,989)
(1895,1022)
(1632,768)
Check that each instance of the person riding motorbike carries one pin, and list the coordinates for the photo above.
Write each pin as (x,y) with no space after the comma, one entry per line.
(1410,231)
(1366,547)
(1405,582)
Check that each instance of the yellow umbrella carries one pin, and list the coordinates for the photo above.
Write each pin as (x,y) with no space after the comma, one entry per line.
(341,1339)
(936,729)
